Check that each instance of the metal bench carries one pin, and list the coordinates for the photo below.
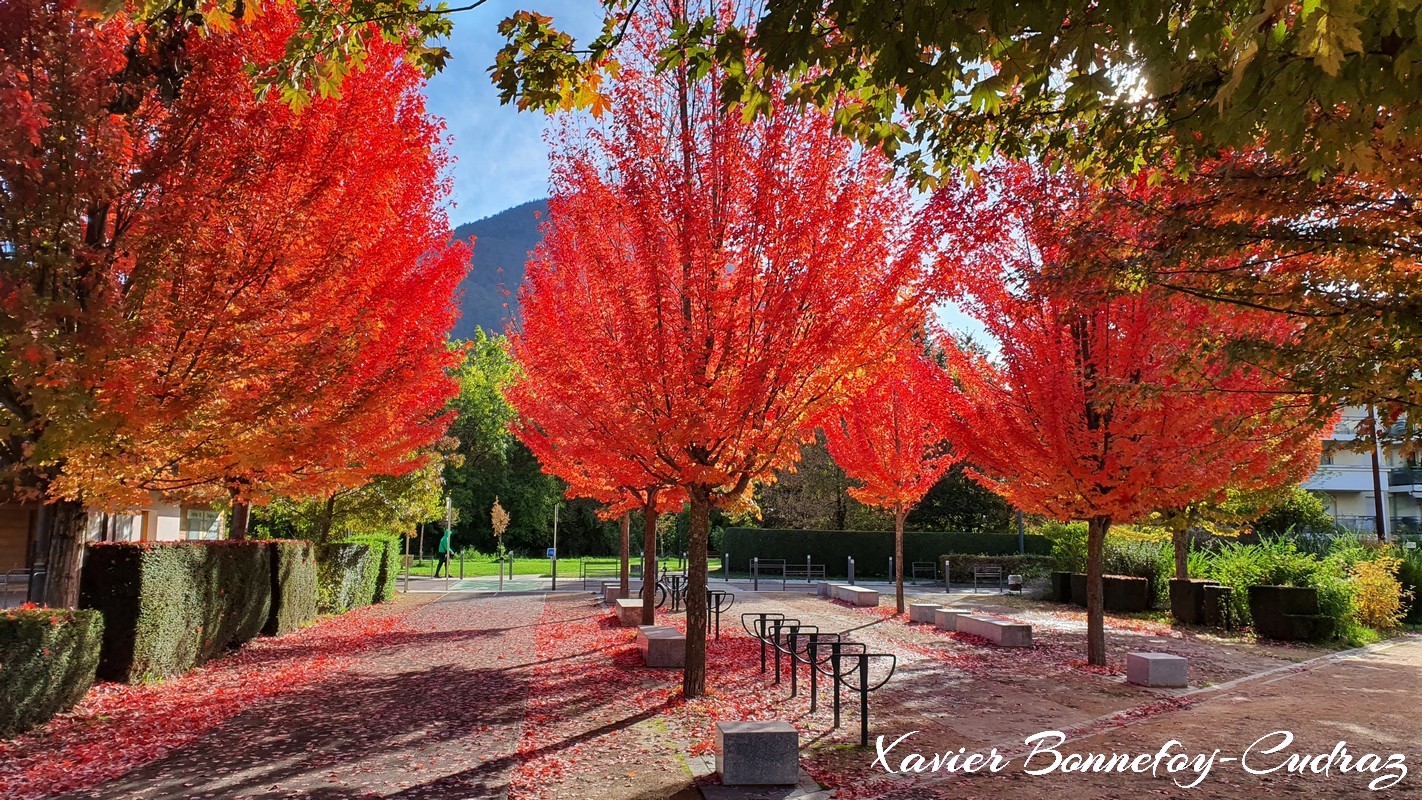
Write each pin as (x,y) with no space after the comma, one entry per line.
(987,572)
(927,569)
(770,567)
(806,570)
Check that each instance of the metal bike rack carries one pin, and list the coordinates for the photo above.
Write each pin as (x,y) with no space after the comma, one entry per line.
(717,602)
(845,663)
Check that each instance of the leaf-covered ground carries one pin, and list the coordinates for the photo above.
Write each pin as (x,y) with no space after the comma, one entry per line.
(533,696)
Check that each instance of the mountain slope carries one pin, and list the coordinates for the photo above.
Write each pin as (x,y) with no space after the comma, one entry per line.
(489,293)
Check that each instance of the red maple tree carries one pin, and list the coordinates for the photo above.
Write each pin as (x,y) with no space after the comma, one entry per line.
(246,301)
(891,437)
(1101,404)
(297,288)
(705,285)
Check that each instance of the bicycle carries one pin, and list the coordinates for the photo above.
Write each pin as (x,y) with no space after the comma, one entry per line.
(673,586)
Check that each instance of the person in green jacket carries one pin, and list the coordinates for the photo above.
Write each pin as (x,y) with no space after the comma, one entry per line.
(443,555)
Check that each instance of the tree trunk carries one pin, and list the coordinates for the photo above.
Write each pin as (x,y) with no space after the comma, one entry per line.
(328,517)
(693,677)
(625,576)
(237,528)
(67,522)
(649,564)
(1095,615)
(1180,537)
(899,515)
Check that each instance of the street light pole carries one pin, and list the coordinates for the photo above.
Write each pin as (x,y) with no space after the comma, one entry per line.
(556,506)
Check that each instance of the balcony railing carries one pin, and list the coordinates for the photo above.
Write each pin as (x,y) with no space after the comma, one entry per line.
(1410,476)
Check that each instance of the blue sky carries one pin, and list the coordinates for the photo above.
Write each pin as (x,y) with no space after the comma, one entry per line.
(501,159)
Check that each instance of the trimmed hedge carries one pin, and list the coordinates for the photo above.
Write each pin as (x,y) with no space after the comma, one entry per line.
(961,566)
(871,549)
(387,550)
(347,576)
(293,586)
(171,606)
(48,659)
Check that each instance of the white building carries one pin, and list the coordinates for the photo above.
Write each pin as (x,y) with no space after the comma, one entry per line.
(160,521)
(1344,481)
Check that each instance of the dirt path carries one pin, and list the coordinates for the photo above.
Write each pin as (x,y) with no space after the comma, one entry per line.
(435,711)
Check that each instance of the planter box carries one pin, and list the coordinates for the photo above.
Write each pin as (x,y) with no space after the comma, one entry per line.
(1120,593)
(1187,600)
(1287,613)
(1217,606)
(1061,587)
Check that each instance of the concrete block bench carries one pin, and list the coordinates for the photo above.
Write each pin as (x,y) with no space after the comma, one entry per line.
(611,592)
(629,611)
(1157,669)
(922,612)
(1002,632)
(947,618)
(757,753)
(854,595)
(661,646)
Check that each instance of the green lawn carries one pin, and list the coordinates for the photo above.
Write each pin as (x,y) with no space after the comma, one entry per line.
(476,566)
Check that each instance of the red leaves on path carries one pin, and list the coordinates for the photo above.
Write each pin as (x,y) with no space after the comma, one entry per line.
(120,727)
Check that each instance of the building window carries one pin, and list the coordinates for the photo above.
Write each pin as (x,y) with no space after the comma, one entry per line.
(1326,460)
(201,523)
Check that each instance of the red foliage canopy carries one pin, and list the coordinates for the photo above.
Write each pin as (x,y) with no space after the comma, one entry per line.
(291,281)
(1102,404)
(705,285)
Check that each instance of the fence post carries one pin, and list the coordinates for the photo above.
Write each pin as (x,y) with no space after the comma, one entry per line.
(461,565)
(851,570)
(726,567)
(755,573)
(891,569)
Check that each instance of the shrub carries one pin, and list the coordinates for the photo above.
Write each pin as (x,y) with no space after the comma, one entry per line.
(347,575)
(170,606)
(386,552)
(47,663)
(1067,544)
(1377,592)
(293,586)
(871,549)
(1409,573)
(1139,558)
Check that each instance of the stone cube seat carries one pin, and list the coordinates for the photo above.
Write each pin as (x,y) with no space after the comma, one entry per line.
(1001,632)
(854,595)
(611,592)
(1157,669)
(922,612)
(661,646)
(757,753)
(629,611)
(947,618)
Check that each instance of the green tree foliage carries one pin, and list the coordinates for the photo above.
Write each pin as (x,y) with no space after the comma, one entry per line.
(384,505)
(1114,85)
(959,505)
(492,463)
(1298,511)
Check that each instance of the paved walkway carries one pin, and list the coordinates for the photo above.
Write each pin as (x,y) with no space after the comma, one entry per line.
(434,713)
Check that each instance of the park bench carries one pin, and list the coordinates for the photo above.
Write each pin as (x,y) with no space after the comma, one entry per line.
(807,571)
(987,572)
(854,595)
(927,569)
(629,611)
(768,567)
(1001,632)
(662,647)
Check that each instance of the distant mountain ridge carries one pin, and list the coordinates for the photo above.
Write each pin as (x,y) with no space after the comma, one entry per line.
(489,293)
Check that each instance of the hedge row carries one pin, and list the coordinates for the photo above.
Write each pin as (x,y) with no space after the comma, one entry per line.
(171,606)
(293,586)
(871,549)
(961,566)
(47,662)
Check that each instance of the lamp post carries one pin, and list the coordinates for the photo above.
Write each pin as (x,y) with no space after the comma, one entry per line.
(556,506)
